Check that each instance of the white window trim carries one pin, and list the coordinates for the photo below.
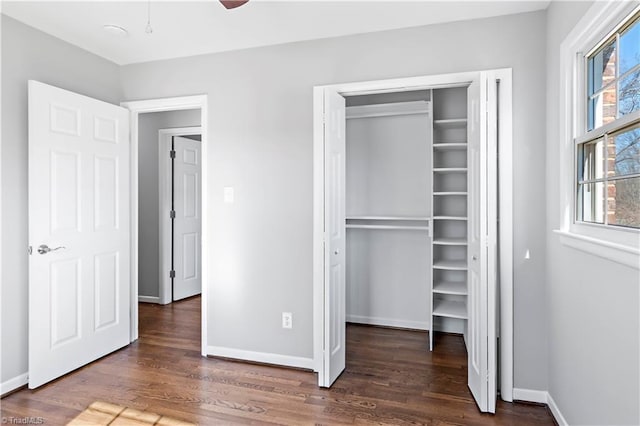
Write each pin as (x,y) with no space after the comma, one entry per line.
(617,244)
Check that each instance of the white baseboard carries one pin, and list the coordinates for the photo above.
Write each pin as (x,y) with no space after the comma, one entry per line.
(13,384)
(389,322)
(542,397)
(148,299)
(265,357)
(530,395)
(556,411)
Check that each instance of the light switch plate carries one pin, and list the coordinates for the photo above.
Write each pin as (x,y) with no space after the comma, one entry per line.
(228,194)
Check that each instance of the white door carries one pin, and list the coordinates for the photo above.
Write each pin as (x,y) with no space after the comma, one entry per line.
(79,283)
(334,230)
(482,199)
(187,280)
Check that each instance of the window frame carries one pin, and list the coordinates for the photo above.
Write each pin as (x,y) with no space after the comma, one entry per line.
(601,22)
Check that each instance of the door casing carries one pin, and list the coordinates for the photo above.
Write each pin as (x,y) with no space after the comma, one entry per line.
(505,195)
(158,105)
(164,261)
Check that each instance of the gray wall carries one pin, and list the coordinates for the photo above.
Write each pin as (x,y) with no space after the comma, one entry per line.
(594,334)
(260,121)
(148,200)
(30,54)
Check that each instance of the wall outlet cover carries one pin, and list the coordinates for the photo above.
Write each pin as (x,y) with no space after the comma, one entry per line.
(287,320)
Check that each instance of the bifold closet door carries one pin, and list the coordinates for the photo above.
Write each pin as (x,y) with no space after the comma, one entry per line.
(335,238)
(482,189)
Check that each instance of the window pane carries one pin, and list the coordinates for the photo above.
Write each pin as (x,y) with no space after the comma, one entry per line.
(602,68)
(630,48)
(591,202)
(630,93)
(623,204)
(624,153)
(602,108)
(591,161)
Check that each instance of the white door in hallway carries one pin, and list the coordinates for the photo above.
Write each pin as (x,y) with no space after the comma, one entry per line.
(79,231)
(187,224)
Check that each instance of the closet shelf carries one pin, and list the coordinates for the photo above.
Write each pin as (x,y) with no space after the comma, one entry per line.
(451,265)
(450,241)
(450,309)
(450,170)
(450,218)
(388,109)
(397,218)
(450,145)
(390,227)
(450,193)
(451,122)
(450,287)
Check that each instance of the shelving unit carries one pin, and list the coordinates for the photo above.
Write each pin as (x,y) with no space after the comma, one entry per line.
(450,146)
(450,309)
(450,287)
(448,296)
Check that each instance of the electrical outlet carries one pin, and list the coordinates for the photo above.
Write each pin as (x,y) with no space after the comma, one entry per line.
(287,320)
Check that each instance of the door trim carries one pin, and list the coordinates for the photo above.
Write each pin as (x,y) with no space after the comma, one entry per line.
(158,105)
(164,261)
(505,195)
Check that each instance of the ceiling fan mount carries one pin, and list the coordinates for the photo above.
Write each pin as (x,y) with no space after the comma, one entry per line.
(232,4)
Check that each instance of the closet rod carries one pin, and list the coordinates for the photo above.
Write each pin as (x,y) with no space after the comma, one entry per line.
(399,227)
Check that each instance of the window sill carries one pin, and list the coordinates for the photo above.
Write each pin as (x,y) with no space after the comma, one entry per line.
(623,254)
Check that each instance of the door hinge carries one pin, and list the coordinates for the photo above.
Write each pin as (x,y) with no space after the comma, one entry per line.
(172,153)
(30,250)
(172,274)
(172,214)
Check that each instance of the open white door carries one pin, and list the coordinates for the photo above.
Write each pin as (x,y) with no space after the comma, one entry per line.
(187,279)
(334,231)
(482,211)
(79,222)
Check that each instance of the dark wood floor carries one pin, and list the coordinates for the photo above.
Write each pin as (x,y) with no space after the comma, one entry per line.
(391,378)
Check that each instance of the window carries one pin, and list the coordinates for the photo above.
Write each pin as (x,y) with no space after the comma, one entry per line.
(608,148)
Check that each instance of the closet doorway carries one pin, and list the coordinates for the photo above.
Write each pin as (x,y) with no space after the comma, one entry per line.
(428,186)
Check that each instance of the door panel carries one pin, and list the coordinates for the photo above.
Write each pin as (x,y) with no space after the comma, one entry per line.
(187,224)
(482,173)
(79,208)
(335,245)
(106,193)
(106,284)
(65,191)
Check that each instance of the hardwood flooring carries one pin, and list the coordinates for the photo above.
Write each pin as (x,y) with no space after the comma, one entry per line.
(391,378)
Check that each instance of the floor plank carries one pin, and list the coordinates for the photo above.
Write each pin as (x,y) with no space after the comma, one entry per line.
(390,378)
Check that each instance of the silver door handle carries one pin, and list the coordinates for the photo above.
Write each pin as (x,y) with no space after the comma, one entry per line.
(336,252)
(44,249)
(474,257)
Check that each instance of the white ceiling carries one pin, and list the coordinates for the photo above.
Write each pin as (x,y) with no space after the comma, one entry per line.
(185,28)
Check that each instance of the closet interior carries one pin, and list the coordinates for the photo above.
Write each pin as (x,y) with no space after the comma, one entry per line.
(406,209)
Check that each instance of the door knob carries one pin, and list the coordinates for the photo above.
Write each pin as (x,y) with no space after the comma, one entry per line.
(336,252)
(44,249)
(474,257)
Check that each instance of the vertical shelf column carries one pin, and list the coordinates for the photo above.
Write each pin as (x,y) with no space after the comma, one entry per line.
(449,211)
